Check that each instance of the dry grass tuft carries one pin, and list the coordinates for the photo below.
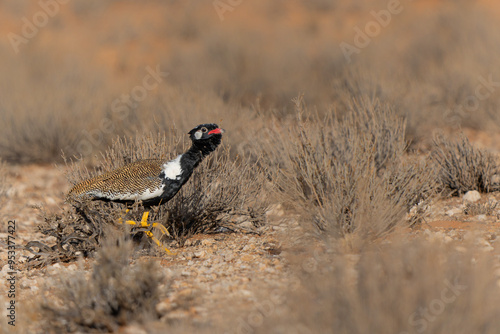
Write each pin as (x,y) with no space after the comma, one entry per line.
(403,287)
(474,209)
(116,294)
(462,167)
(350,175)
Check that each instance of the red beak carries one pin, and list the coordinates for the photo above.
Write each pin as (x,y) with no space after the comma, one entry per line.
(216,131)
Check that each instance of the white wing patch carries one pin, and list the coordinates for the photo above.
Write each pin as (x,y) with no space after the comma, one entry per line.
(173,169)
(145,195)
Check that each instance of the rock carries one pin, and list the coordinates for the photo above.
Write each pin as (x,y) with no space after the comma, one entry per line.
(50,200)
(247,225)
(192,243)
(248,247)
(28,284)
(207,242)
(246,293)
(185,293)
(472,196)
(275,210)
(228,256)
(481,217)
(452,212)
(247,258)
(199,254)
(438,237)
(486,246)
(133,329)
(176,315)
(472,236)
(164,307)
(54,269)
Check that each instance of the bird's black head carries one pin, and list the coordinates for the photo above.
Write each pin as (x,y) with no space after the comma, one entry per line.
(206,137)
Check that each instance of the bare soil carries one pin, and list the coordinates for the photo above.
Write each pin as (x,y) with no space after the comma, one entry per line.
(219,280)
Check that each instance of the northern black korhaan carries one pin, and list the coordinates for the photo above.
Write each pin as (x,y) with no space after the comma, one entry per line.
(152,181)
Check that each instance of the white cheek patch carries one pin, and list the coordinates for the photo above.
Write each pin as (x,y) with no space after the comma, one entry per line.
(197,134)
(173,169)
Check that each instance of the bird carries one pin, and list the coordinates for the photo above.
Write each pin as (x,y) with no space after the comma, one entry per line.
(151,181)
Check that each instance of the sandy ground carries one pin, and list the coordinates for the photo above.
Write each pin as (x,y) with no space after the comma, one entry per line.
(211,271)
(205,275)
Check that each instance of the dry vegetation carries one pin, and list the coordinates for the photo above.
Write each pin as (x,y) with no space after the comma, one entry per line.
(462,167)
(349,176)
(409,286)
(347,149)
(116,293)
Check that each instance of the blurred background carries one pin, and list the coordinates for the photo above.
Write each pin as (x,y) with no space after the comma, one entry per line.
(77,74)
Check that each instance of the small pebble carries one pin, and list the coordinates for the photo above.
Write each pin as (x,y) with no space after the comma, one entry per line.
(452,212)
(472,196)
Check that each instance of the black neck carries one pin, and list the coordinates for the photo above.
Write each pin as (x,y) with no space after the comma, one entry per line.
(192,157)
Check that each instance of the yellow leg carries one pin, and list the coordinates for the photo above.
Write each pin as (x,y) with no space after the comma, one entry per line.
(144,223)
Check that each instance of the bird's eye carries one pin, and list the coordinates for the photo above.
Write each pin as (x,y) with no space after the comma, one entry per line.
(204,130)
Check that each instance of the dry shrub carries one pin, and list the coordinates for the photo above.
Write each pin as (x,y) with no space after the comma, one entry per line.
(462,167)
(411,286)
(77,231)
(116,294)
(350,175)
(220,196)
(474,209)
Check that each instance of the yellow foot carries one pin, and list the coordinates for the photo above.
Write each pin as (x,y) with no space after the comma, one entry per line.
(144,223)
